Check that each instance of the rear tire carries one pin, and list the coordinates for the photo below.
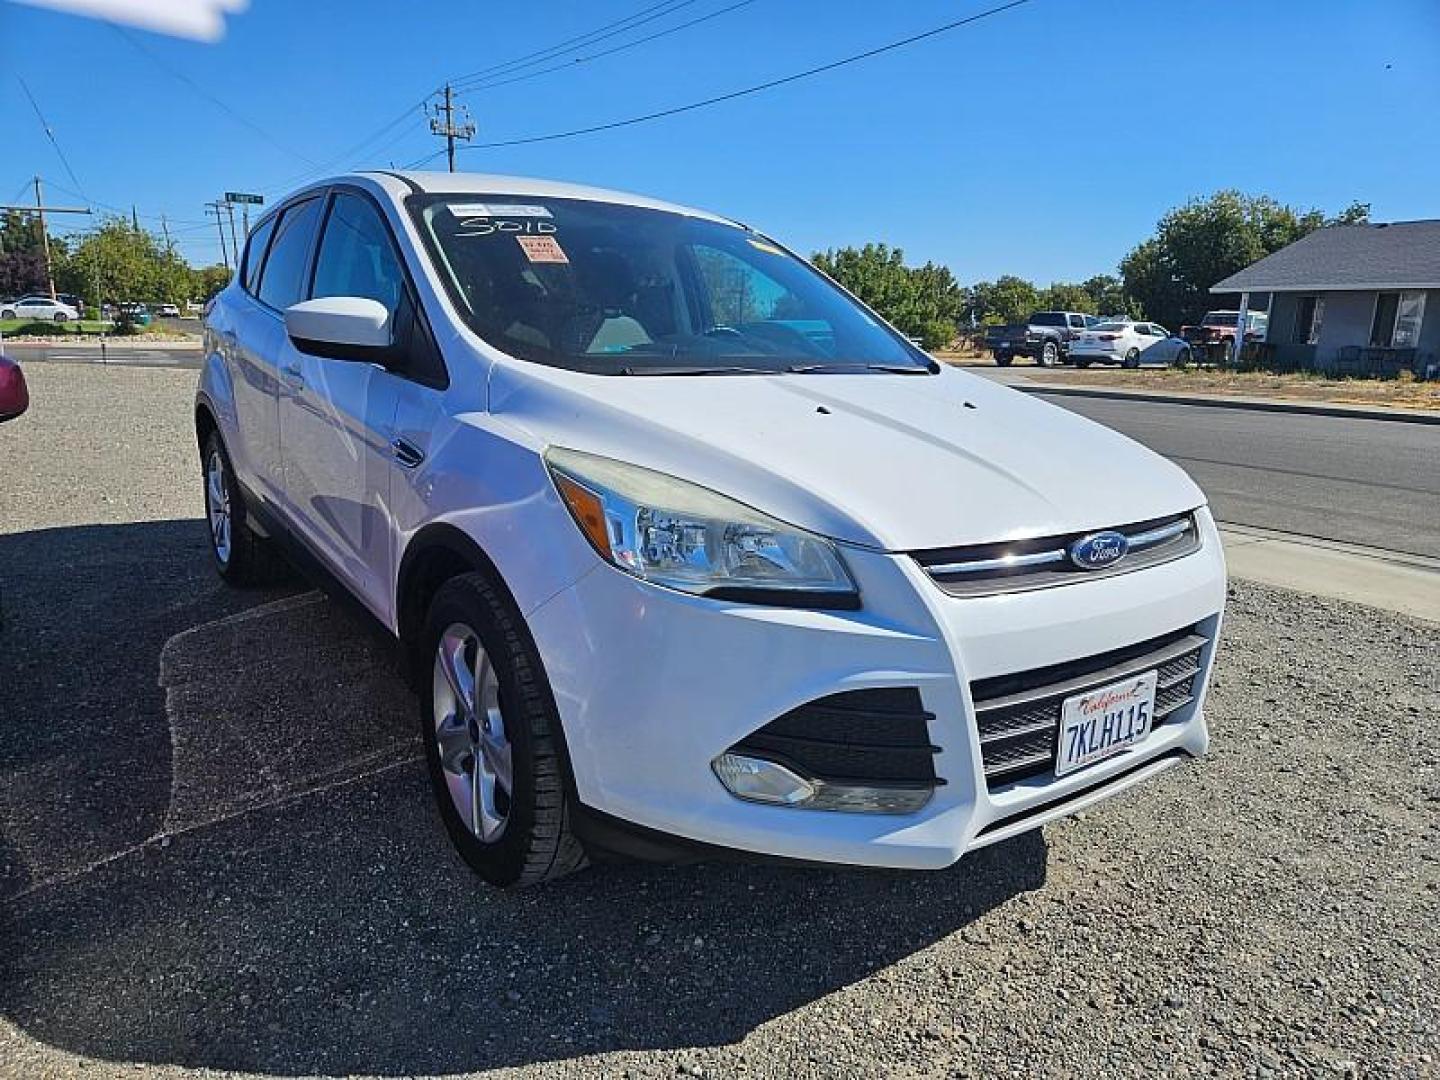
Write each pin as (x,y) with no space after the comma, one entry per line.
(1003,359)
(489,711)
(1183,358)
(1082,361)
(7,314)
(241,556)
(1132,359)
(60,316)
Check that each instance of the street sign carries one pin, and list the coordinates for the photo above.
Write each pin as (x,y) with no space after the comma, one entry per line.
(241,197)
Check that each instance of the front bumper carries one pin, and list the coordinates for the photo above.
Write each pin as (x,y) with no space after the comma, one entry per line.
(652,685)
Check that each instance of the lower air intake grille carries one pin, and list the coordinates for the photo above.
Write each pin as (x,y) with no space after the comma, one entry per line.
(864,737)
(1019,715)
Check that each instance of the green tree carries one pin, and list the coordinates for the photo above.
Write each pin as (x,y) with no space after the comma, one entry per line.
(925,302)
(22,259)
(1007,299)
(120,262)
(209,280)
(1062,296)
(1108,296)
(1206,240)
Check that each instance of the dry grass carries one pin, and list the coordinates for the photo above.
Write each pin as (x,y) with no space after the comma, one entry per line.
(1405,392)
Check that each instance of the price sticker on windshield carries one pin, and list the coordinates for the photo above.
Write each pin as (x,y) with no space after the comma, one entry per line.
(542,249)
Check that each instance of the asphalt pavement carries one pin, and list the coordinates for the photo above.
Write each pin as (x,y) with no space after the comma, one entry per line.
(1369,482)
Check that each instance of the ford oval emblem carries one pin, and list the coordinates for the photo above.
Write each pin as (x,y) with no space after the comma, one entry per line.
(1099,550)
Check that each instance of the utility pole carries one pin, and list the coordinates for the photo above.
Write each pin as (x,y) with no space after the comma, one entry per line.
(234,240)
(44,238)
(165,228)
(214,208)
(39,210)
(448,127)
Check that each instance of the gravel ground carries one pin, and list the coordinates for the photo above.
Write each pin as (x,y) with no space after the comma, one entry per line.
(217,851)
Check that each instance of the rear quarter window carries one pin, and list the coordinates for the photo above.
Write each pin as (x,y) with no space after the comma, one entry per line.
(255,254)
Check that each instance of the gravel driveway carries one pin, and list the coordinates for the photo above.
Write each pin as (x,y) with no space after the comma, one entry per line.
(217,851)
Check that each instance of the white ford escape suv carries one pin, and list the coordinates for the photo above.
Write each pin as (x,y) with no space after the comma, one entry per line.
(689,551)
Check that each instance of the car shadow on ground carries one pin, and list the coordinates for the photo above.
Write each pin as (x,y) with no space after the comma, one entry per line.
(217,849)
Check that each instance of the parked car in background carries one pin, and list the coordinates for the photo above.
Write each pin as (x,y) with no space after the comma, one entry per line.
(1218,328)
(1129,344)
(643,543)
(39,308)
(14,395)
(1045,337)
(78,303)
(137,314)
(168,311)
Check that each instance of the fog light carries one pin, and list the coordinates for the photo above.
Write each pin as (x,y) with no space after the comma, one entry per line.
(759,780)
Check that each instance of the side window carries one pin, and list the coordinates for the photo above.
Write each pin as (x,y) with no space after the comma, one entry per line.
(1077,321)
(255,254)
(282,281)
(356,256)
(1159,331)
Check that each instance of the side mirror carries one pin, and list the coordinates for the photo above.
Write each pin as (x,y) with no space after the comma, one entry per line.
(341,328)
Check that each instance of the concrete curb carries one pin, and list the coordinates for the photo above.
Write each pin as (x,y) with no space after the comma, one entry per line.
(1218,401)
(1392,581)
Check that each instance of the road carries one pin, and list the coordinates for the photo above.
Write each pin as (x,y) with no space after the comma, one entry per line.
(1358,481)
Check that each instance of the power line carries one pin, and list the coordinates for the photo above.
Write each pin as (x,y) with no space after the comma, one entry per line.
(757,88)
(200,91)
(600,33)
(569,65)
(49,134)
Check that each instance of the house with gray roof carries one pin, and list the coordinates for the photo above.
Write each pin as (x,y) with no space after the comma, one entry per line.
(1352,298)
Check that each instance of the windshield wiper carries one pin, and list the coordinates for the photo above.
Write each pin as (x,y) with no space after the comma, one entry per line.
(657,369)
(838,368)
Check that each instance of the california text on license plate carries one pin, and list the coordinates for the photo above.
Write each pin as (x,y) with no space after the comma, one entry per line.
(1104,721)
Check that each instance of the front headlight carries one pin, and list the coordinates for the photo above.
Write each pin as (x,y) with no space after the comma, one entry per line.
(690,538)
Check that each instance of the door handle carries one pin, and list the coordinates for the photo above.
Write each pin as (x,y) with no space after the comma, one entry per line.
(292,374)
(406,453)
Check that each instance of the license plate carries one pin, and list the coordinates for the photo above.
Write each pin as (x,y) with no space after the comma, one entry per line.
(1102,722)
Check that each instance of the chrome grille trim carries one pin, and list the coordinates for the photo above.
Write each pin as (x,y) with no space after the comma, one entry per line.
(1044,562)
(1019,728)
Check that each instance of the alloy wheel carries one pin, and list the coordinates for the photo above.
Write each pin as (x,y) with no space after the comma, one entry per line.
(217,499)
(475,751)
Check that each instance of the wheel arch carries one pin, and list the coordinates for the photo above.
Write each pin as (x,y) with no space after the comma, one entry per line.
(206,423)
(434,555)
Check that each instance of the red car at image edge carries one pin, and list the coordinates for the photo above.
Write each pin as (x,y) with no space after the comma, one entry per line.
(14,397)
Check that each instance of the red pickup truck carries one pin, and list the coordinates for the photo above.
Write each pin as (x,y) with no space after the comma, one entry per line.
(1218,328)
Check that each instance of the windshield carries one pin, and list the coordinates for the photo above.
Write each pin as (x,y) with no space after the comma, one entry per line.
(1221,318)
(613,289)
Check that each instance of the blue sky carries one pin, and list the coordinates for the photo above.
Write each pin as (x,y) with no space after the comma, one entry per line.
(1044,141)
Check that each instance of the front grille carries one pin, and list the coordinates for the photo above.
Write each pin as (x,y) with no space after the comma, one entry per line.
(877,737)
(1018,715)
(1044,561)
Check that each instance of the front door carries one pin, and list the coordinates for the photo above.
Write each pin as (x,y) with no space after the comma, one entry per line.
(337,416)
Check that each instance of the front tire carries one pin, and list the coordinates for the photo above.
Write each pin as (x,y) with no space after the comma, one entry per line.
(1049,354)
(1003,359)
(492,739)
(60,316)
(1082,361)
(7,314)
(1132,359)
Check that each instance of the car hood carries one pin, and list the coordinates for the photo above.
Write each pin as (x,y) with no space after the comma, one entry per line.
(898,462)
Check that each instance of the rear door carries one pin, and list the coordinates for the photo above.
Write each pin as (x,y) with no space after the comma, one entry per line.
(337,416)
(276,261)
